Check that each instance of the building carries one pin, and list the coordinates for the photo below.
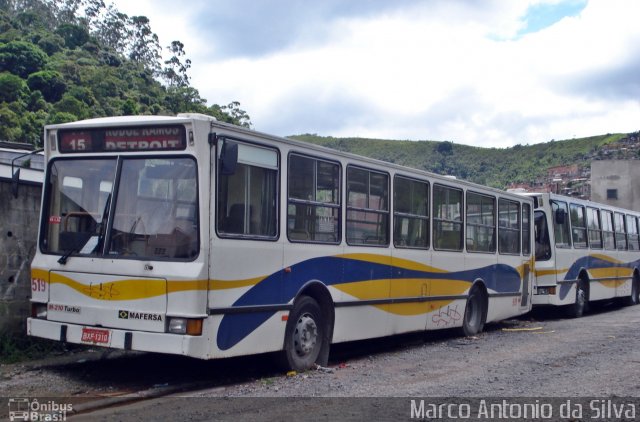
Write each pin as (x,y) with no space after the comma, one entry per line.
(616,182)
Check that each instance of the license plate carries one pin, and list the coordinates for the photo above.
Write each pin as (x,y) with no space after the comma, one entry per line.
(95,335)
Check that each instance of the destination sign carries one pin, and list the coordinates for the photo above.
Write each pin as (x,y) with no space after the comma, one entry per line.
(151,138)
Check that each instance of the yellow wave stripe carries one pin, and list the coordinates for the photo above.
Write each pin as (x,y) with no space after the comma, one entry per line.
(606,258)
(411,287)
(233,284)
(393,261)
(40,273)
(541,273)
(115,290)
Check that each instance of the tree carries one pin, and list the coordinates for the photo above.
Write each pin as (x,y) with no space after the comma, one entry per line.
(21,58)
(73,35)
(445,148)
(145,47)
(13,87)
(175,72)
(232,113)
(9,124)
(49,82)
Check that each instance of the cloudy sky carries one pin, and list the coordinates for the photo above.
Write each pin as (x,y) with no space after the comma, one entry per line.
(491,73)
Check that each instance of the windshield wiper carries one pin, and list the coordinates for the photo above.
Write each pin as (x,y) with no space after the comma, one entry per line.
(67,254)
(103,224)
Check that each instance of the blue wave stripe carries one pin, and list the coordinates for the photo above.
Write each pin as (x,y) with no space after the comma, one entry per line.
(590,263)
(281,287)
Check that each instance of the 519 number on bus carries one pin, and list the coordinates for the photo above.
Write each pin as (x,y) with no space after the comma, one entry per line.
(38,285)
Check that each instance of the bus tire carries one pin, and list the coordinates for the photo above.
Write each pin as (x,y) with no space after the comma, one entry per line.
(474,313)
(579,307)
(304,335)
(634,299)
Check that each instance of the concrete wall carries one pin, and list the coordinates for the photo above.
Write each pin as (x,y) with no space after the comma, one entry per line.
(18,235)
(622,175)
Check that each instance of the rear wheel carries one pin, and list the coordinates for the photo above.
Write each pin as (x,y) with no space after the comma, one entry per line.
(304,334)
(474,313)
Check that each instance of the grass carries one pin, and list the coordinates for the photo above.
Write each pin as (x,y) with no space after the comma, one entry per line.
(18,348)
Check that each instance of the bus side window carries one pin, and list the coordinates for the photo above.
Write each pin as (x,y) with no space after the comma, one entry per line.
(447,218)
(526,229)
(247,198)
(543,244)
(621,231)
(632,235)
(578,226)
(508,227)
(561,224)
(595,230)
(607,230)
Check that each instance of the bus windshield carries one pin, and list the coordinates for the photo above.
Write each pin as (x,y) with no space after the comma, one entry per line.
(150,213)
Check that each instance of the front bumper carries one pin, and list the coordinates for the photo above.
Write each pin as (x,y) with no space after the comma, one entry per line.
(194,346)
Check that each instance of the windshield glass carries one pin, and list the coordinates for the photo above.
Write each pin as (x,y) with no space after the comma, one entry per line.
(78,196)
(152,214)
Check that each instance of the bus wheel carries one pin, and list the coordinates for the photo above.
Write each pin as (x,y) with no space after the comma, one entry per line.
(474,312)
(634,299)
(580,305)
(304,334)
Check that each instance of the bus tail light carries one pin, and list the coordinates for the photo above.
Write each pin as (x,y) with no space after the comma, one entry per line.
(192,327)
(39,310)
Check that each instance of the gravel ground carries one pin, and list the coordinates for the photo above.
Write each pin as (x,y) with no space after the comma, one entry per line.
(540,355)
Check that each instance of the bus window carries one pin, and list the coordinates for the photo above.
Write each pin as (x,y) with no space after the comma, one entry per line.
(593,226)
(508,227)
(607,230)
(621,231)
(632,235)
(247,199)
(156,209)
(526,229)
(541,233)
(367,207)
(447,218)
(481,223)
(313,211)
(561,224)
(77,205)
(578,226)
(410,213)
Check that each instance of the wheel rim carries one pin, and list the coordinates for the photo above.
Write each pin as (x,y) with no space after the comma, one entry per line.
(305,335)
(581,297)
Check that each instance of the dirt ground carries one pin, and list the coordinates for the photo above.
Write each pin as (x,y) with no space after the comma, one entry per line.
(542,355)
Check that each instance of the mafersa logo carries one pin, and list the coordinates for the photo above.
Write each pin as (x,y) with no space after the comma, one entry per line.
(142,316)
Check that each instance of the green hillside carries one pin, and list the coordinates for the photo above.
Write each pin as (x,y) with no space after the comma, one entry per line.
(65,60)
(488,166)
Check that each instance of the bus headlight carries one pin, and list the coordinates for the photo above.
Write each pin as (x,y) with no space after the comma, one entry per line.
(546,291)
(39,310)
(192,327)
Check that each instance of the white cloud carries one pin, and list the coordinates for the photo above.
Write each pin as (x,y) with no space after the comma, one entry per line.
(436,70)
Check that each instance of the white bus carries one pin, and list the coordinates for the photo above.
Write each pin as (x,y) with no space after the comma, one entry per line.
(585,251)
(185,235)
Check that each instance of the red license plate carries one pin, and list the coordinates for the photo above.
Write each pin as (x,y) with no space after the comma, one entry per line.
(95,335)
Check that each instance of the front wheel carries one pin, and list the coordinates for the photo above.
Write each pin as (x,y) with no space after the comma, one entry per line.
(304,335)
(634,299)
(579,307)
(474,313)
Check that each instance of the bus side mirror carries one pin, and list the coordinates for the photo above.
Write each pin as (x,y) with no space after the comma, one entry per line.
(15,178)
(228,158)
(561,216)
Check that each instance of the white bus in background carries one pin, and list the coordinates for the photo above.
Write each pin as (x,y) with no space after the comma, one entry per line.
(189,236)
(585,252)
